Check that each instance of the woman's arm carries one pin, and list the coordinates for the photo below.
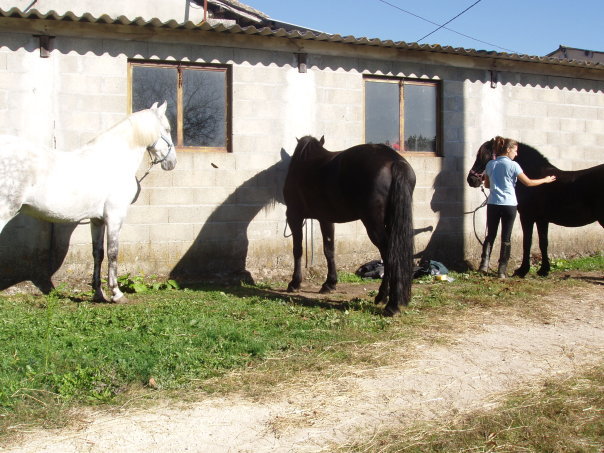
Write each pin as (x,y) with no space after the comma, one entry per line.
(486,181)
(535,182)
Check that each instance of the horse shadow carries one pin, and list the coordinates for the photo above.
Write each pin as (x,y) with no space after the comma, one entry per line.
(213,256)
(32,250)
(446,242)
(305,298)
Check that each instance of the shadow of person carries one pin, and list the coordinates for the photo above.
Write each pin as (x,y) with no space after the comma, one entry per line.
(446,242)
(221,247)
(32,250)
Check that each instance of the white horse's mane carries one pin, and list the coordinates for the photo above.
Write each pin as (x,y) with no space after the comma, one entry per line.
(141,126)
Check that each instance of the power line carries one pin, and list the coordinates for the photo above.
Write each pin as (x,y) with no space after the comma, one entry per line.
(443,26)
(449,21)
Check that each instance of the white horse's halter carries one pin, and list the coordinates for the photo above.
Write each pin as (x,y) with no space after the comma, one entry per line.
(153,160)
(170,148)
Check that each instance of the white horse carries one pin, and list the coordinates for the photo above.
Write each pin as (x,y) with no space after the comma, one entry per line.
(96,182)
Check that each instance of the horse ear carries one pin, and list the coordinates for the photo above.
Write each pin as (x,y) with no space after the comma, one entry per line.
(154,106)
(322,141)
(162,108)
(297,139)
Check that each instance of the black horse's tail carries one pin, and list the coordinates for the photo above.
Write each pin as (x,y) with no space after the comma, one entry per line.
(399,226)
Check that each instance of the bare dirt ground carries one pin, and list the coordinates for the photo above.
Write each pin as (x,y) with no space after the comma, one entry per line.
(470,370)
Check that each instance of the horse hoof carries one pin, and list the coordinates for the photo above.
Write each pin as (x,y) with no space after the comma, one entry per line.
(542,273)
(390,312)
(121,300)
(101,299)
(292,289)
(326,289)
(380,299)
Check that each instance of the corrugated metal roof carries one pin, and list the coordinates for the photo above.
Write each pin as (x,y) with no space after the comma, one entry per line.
(238,6)
(292,34)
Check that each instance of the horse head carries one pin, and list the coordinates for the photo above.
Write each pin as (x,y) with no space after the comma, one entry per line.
(483,156)
(308,146)
(162,151)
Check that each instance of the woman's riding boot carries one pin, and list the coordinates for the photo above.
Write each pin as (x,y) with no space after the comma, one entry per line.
(504,257)
(485,257)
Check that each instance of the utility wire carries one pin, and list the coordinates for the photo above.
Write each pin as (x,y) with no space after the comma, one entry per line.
(446,28)
(449,21)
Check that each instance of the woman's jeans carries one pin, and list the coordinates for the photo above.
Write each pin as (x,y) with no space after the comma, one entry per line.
(495,214)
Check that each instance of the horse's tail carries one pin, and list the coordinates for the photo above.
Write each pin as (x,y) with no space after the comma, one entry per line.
(399,226)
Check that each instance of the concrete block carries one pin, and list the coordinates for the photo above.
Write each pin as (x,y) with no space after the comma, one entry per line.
(135,233)
(145,215)
(519,123)
(171,232)
(196,215)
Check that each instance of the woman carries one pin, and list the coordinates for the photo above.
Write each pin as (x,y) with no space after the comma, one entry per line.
(501,175)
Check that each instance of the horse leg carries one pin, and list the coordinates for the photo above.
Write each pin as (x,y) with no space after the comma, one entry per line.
(113,231)
(542,230)
(295,225)
(327,230)
(377,235)
(527,240)
(97,230)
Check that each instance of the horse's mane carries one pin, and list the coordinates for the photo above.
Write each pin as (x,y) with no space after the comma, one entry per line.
(138,128)
(528,158)
(531,154)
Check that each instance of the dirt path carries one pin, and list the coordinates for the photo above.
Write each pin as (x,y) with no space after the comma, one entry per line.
(466,373)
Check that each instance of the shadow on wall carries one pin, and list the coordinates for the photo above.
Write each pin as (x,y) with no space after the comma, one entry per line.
(32,250)
(446,242)
(221,247)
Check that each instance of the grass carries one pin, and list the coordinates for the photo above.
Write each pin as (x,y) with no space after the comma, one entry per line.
(586,263)
(561,415)
(61,351)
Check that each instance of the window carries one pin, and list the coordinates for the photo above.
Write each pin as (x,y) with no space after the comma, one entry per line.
(198,101)
(396,108)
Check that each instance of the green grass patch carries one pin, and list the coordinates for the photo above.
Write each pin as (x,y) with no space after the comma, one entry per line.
(587,263)
(55,349)
(59,351)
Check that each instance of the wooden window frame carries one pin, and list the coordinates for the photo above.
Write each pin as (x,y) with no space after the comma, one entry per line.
(401,82)
(179,66)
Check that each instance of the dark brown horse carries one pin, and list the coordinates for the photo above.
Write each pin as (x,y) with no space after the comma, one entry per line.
(574,200)
(372,183)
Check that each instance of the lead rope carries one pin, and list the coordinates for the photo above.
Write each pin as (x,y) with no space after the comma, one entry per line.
(285,235)
(139,180)
(153,163)
(482,205)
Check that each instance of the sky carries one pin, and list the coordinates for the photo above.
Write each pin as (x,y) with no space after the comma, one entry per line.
(532,27)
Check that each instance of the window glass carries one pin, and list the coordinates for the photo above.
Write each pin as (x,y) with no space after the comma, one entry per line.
(404,108)
(155,84)
(420,117)
(204,108)
(382,112)
(197,100)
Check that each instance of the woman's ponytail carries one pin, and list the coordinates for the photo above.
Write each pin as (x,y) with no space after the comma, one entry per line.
(502,145)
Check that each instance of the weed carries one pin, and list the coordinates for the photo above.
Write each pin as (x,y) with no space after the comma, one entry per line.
(141,284)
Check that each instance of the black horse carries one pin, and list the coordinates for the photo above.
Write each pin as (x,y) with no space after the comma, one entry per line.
(573,200)
(372,183)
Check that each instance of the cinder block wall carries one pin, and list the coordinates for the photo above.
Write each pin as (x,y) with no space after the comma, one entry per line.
(220,213)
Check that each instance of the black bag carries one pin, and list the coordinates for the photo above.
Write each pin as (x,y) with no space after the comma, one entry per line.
(430,267)
(372,269)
